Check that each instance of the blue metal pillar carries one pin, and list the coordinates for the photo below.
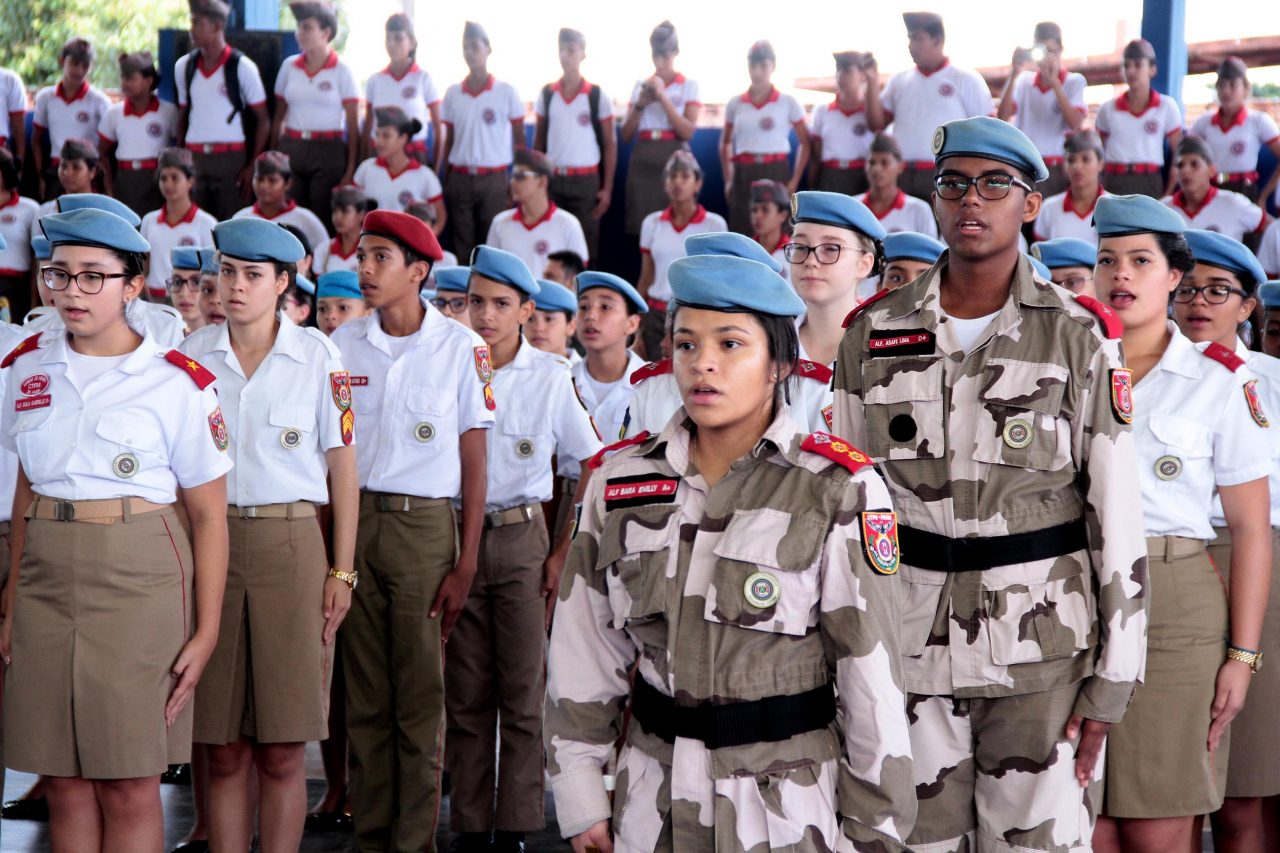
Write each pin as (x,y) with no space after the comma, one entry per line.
(259,14)
(1164,25)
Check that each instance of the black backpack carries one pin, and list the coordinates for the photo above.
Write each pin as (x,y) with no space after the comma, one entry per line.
(593,100)
(232,72)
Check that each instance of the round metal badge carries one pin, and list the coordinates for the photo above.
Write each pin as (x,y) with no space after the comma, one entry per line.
(1018,434)
(290,438)
(761,590)
(524,448)
(424,432)
(1168,467)
(125,465)
(939,139)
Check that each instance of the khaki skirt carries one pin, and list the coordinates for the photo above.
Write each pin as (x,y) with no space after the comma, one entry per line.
(1254,769)
(102,612)
(1158,762)
(645,190)
(268,679)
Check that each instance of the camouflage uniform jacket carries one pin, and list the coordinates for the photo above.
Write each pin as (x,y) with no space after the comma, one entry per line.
(661,585)
(1021,434)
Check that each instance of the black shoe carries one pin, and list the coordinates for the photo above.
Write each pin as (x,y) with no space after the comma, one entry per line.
(508,842)
(198,845)
(471,842)
(177,774)
(32,808)
(329,822)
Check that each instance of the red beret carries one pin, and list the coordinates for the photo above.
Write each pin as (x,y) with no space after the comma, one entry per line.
(404,229)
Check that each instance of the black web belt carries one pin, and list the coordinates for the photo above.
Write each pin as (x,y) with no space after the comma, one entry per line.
(938,553)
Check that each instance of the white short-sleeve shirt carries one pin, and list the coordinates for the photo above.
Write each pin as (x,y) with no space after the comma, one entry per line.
(299,217)
(1269,249)
(1038,114)
(1267,370)
(210,107)
(481,123)
(414,92)
(845,136)
(1235,143)
(282,419)
(13,98)
(139,136)
(141,429)
(74,117)
(1058,218)
(1223,211)
(655,398)
(571,135)
(762,128)
(329,257)
(664,243)
(316,102)
(1129,138)
(610,411)
(907,213)
(17,219)
(194,229)
(414,408)
(1194,432)
(10,337)
(415,182)
(681,91)
(919,102)
(558,230)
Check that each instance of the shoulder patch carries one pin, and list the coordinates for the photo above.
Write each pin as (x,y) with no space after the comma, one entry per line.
(1111,325)
(863,306)
(813,370)
(26,346)
(596,461)
(837,450)
(198,372)
(1224,356)
(880,541)
(654,368)
(484,365)
(1255,404)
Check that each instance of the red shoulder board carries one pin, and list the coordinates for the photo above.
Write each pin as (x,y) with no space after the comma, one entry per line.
(596,461)
(813,370)
(1224,356)
(1111,324)
(837,450)
(26,346)
(198,372)
(655,368)
(863,306)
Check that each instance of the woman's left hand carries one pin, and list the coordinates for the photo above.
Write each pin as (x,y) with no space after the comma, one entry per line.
(1229,693)
(337,601)
(187,669)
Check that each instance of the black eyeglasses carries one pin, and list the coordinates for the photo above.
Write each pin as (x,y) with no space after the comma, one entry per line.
(89,282)
(178,283)
(1075,283)
(1214,294)
(827,253)
(992,186)
(457,305)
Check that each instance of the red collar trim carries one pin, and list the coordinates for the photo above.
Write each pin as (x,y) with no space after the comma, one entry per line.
(698,215)
(773,95)
(488,84)
(84,90)
(1068,206)
(186,220)
(331,61)
(335,248)
(899,202)
(1122,103)
(152,107)
(783,239)
(835,107)
(1223,125)
(584,89)
(679,78)
(945,62)
(413,66)
(546,217)
(222,60)
(1044,87)
(1180,201)
(257,211)
(14,198)
(412,164)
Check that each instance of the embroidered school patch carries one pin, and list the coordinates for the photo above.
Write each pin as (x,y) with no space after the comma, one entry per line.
(348,426)
(880,541)
(484,365)
(1122,394)
(340,386)
(639,490)
(218,428)
(1255,403)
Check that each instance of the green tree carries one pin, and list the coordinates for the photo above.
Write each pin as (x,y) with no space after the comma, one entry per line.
(34,31)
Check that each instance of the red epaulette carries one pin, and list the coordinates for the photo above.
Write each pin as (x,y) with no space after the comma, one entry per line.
(813,370)
(653,368)
(596,461)
(198,372)
(1224,356)
(863,306)
(1111,325)
(26,346)
(837,450)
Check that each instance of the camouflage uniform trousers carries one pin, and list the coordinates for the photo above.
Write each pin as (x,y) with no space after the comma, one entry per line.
(998,774)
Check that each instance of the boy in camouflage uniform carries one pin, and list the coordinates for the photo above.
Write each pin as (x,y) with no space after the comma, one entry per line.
(1010,460)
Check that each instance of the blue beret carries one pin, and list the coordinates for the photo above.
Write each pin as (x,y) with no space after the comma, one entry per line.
(3,244)
(184,258)
(41,248)
(554,297)
(504,268)
(838,209)
(1115,215)
(590,280)
(453,279)
(1219,250)
(912,246)
(428,294)
(209,260)
(339,284)
(1066,252)
(724,283)
(94,201)
(253,239)
(92,227)
(991,139)
(1040,268)
(305,285)
(728,243)
(1269,293)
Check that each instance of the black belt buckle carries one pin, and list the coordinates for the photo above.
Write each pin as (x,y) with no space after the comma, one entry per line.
(64,511)
(382,502)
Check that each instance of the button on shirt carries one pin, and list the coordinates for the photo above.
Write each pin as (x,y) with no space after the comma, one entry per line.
(316,101)
(1267,370)
(1223,211)
(210,107)
(1129,138)
(919,102)
(74,116)
(763,128)
(139,136)
(571,135)
(1058,218)
(481,123)
(396,191)
(845,136)
(556,231)
(141,429)
(283,418)
(1038,113)
(413,408)
(1194,431)
(1235,143)
(414,92)
(664,243)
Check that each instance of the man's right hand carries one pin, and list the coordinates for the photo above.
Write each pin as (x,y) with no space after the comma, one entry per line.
(595,838)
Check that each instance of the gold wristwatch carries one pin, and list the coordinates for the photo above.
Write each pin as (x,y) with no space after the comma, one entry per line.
(1246,656)
(349,578)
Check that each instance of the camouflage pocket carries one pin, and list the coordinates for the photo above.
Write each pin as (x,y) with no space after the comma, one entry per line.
(904,408)
(1020,421)
(642,802)
(635,549)
(1037,622)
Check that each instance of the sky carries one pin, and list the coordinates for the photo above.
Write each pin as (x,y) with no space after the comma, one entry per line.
(714,37)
